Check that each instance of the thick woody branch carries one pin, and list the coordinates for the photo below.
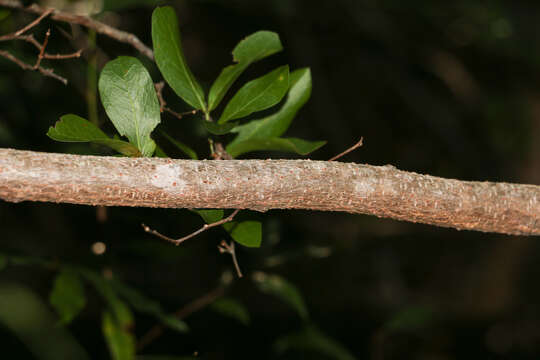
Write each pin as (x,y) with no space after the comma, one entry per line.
(383,191)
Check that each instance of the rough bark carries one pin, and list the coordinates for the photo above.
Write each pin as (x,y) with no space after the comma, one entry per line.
(383,191)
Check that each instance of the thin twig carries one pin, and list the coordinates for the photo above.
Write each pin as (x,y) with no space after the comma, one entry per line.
(229,248)
(355,146)
(196,305)
(86,21)
(34,23)
(195,233)
(163,104)
(45,42)
(42,70)
(30,39)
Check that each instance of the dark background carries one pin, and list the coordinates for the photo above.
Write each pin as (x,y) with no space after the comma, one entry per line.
(447,88)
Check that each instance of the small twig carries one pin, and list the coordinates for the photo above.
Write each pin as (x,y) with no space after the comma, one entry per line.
(355,146)
(86,21)
(196,305)
(30,39)
(34,23)
(202,229)
(218,152)
(24,66)
(163,104)
(229,248)
(45,42)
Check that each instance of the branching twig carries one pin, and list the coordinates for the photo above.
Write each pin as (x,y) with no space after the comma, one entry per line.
(182,313)
(42,70)
(229,248)
(19,35)
(86,21)
(163,104)
(195,233)
(355,146)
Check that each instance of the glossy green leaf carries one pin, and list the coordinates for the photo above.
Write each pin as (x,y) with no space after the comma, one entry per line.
(143,304)
(170,58)
(218,129)
(294,145)
(281,288)
(312,340)
(231,308)
(67,295)
(276,124)
(24,315)
(129,98)
(181,146)
(247,233)
(253,48)
(210,216)
(259,94)
(120,341)
(73,128)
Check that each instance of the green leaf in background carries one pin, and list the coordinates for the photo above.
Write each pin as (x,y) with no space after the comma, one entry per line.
(165,357)
(4,13)
(73,128)
(67,295)
(210,216)
(276,124)
(129,98)
(231,308)
(3,262)
(410,319)
(24,314)
(120,341)
(247,233)
(170,58)
(313,340)
(277,286)
(181,146)
(299,146)
(115,5)
(142,304)
(253,48)
(259,94)
(160,153)
(218,129)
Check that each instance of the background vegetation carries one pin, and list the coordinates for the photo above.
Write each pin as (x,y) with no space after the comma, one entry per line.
(445,88)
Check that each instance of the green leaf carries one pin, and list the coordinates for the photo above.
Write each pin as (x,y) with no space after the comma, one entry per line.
(3,262)
(259,94)
(247,233)
(287,292)
(172,322)
(218,129)
(120,341)
(73,128)
(143,304)
(313,340)
(294,145)
(210,216)
(165,357)
(24,315)
(170,58)
(181,146)
(410,318)
(67,295)
(129,98)
(276,124)
(231,308)
(160,153)
(253,48)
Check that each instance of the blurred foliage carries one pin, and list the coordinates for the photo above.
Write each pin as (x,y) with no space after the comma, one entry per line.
(445,88)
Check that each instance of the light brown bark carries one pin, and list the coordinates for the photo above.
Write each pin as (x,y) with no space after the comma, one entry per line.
(383,191)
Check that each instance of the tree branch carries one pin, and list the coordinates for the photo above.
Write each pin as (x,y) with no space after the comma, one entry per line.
(86,21)
(383,191)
